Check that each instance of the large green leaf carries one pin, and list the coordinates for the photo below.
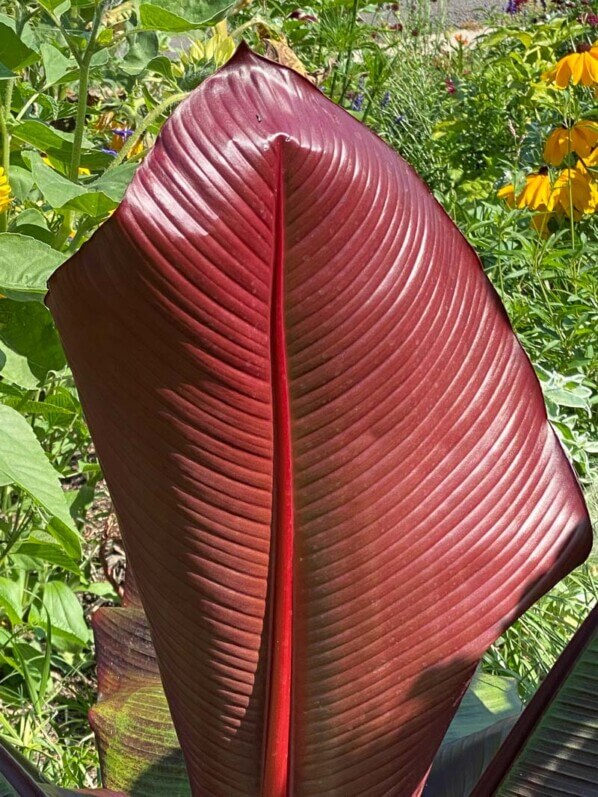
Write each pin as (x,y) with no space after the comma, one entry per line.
(553,749)
(69,629)
(115,182)
(15,368)
(24,463)
(10,599)
(489,699)
(34,551)
(26,330)
(62,193)
(14,53)
(177,16)
(21,183)
(47,139)
(486,714)
(56,64)
(26,265)
(144,46)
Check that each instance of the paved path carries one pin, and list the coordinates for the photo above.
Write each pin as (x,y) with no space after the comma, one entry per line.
(463,11)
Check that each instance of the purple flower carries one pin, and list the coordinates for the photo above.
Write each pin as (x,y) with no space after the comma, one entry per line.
(513,6)
(357,103)
(122,132)
(385,99)
(108,151)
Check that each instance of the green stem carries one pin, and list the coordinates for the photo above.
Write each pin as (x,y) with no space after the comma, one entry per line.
(354,11)
(570,182)
(82,98)
(84,69)
(5,106)
(143,126)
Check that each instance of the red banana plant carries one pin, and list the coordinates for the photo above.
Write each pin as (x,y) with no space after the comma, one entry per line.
(328,452)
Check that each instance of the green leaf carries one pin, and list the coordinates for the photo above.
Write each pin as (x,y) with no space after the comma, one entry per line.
(162,66)
(178,16)
(14,53)
(551,751)
(57,7)
(35,550)
(15,368)
(27,329)
(6,790)
(10,600)
(21,182)
(69,628)
(24,463)
(486,715)
(26,266)
(31,217)
(115,182)
(47,139)
(63,194)
(56,65)
(489,698)
(57,189)
(6,73)
(144,47)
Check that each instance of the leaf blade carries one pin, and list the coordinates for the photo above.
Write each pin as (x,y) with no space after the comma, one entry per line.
(23,462)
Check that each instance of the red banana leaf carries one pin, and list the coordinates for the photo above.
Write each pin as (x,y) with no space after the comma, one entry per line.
(553,749)
(328,452)
(139,751)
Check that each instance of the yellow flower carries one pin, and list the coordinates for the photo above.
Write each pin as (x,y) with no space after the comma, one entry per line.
(592,159)
(581,139)
(218,48)
(137,149)
(507,192)
(4,191)
(572,188)
(578,67)
(592,205)
(536,193)
(221,46)
(539,222)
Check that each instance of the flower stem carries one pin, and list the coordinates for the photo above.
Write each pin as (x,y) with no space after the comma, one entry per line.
(354,11)
(84,69)
(570,186)
(5,106)
(82,97)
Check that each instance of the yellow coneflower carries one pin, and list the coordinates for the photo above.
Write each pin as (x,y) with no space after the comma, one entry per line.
(4,191)
(578,67)
(592,161)
(572,188)
(540,221)
(581,138)
(507,193)
(537,192)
